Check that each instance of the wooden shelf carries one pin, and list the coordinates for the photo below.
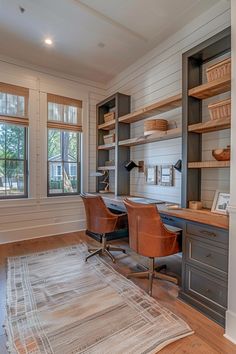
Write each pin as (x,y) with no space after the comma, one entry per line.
(108,125)
(153,109)
(209,164)
(169,134)
(106,168)
(106,146)
(212,88)
(210,126)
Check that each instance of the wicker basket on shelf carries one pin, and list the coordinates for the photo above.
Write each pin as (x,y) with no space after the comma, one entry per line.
(109,139)
(220,109)
(152,126)
(109,116)
(218,70)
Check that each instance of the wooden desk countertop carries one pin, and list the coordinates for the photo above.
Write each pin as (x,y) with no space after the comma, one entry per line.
(202,216)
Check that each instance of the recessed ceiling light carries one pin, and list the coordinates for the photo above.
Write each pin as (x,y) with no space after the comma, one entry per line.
(48,41)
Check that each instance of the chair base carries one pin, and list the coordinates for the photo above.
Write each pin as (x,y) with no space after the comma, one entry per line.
(153,273)
(104,250)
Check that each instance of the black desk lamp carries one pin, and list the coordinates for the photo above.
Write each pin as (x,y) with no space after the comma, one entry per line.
(131,164)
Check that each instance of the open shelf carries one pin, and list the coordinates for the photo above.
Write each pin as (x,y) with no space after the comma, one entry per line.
(106,168)
(212,88)
(209,164)
(153,109)
(108,125)
(210,126)
(106,146)
(169,134)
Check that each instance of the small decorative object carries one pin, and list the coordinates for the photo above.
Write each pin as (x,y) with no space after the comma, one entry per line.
(195,205)
(109,138)
(151,174)
(152,126)
(105,181)
(131,164)
(222,154)
(178,166)
(109,116)
(165,175)
(219,70)
(220,203)
(220,109)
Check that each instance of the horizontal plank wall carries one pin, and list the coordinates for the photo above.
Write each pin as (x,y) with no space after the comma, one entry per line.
(159,75)
(38,215)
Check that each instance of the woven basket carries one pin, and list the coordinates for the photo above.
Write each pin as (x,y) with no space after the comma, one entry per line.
(220,109)
(109,116)
(219,70)
(154,125)
(109,139)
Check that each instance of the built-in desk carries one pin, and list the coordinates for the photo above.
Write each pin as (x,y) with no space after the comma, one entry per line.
(204,257)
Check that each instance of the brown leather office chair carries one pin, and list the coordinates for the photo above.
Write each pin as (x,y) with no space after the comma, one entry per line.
(149,237)
(101,220)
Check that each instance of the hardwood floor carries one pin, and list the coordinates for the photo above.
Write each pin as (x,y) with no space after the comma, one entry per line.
(208,337)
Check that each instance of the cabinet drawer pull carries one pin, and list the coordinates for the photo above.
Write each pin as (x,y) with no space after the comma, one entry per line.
(208,233)
(208,255)
(168,219)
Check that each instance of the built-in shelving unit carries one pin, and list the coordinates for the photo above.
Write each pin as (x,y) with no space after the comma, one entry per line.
(210,126)
(211,89)
(161,106)
(197,276)
(169,134)
(120,105)
(209,164)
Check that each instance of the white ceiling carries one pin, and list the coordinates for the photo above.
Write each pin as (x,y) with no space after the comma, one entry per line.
(127,28)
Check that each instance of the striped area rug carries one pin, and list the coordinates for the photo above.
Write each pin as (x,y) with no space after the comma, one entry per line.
(58,304)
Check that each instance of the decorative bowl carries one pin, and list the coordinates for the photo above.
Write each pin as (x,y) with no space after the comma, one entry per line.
(221,154)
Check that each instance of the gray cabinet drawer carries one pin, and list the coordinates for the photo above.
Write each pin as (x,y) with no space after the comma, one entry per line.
(209,257)
(209,233)
(209,290)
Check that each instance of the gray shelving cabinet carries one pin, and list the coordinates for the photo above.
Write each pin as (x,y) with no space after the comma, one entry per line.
(120,104)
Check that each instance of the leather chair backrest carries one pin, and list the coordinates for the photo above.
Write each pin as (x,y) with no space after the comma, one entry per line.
(147,234)
(99,219)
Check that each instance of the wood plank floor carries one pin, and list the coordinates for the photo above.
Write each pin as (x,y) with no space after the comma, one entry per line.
(208,337)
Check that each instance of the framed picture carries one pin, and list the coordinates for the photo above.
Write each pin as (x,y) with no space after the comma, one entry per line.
(220,203)
(151,174)
(165,175)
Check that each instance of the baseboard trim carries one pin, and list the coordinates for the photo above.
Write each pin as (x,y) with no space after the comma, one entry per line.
(38,231)
(230,330)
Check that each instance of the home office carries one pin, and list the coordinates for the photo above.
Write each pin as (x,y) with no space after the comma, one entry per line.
(116,178)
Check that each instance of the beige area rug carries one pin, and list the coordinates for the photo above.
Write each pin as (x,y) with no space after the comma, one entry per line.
(58,304)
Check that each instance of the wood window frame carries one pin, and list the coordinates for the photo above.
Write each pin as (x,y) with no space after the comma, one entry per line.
(23,121)
(62,126)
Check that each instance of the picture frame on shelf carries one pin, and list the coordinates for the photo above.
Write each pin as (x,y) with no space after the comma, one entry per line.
(165,175)
(151,174)
(220,203)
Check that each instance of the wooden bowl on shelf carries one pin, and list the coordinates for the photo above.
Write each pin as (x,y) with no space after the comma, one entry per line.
(152,126)
(221,154)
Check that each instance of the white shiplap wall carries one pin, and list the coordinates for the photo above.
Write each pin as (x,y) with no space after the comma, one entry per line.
(38,215)
(158,75)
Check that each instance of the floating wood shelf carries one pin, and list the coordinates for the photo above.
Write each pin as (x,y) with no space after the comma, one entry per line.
(209,164)
(108,125)
(106,168)
(212,88)
(169,134)
(153,109)
(210,126)
(106,146)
